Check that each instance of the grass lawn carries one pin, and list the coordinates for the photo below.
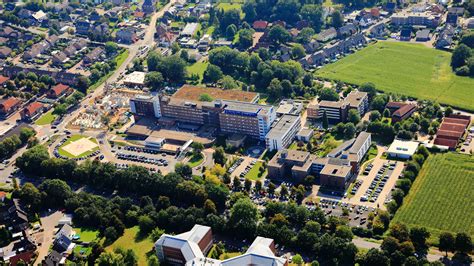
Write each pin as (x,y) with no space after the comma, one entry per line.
(442,196)
(195,160)
(46,119)
(404,68)
(253,173)
(198,68)
(229,6)
(86,235)
(372,152)
(210,30)
(229,255)
(329,144)
(74,138)
(132,240)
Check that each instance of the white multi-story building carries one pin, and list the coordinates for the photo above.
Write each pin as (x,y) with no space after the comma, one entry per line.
(283,132)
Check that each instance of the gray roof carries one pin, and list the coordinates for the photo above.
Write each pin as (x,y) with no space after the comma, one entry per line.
(283,125)
(359,141)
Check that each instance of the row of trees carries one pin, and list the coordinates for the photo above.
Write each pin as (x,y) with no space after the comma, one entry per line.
(11,144)
(462,59)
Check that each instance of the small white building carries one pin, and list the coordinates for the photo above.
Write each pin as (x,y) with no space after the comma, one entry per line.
(154,142)
(283,132)
(403,149)
(136,78)
(305,134)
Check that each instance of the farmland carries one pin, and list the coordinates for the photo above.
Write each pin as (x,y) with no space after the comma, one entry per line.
(442,196)
(403,68)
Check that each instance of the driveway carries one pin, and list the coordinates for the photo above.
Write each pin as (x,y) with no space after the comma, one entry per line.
(49,223)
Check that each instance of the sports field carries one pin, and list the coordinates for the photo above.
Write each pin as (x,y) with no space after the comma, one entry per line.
(404,68)
(442,196)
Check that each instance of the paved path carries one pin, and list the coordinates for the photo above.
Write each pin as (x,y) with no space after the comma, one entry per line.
(49,223)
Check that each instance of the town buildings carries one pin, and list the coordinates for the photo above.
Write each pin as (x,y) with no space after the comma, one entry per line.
(451,130)
(283,132)
(335,170)
(190,248)
(337,111)
(32,111)
(416,19)
(402,149)
(8,106)
(145,105)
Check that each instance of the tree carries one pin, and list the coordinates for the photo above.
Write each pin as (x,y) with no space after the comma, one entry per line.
(349,130)
(297,259)
(30,196)
(298,51)
(278,35)
(183,170)
(379,102)
(325,120)
(374,116)
(390,244)
(271,188)
(314,14)
(245,40)
(26,134)
(111,48)
(229,83)
(287,10)
(344,232)
(353,116)
(305,35)
(110,258)
(212,74)
(448,111)
(398,195)
(153,260)
(328,94)
(146,224)
(337,19)
(418,236)
(447,242)
(460,55)
(243,218)
(369,87)
(386,113)
(399,231)
(230,31)
(236,184)
(83,84)
(219,156)
(374,257)
(154,80)
(55,192)
(247,184)
(463,243)
(210,206)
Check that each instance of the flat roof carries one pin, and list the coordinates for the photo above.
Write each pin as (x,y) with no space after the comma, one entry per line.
(136,77)
(193,93)
(336,170)
(404,147)
(285,123)
(354,98)
(246,107)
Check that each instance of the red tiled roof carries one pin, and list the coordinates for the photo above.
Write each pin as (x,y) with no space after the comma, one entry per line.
(33,107)
(449,134)
(260,24)
(456,121)
(25,257)
(3,194)
(60,88)
(446,142)
(394,105)
(139,14)
(452,127)
(404,110)
(3,79)
(9,103)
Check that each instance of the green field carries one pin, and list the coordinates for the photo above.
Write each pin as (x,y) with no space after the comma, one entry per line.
(132,240)
(74,138)
(409,69)
(198,68)
(253,173)
(442,196)
(86,235)
(46,119)
(195,160)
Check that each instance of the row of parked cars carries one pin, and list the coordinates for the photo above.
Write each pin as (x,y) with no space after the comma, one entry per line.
(139,149)
(377,185)
(356,186)
(247,169)
(235,165)
(142,159)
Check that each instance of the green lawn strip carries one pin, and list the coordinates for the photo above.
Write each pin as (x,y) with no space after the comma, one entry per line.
(228,255)
(62,152)
(46,119)
(131,239)
(404,68)
(253,173)
(86,234)
(442,196)
(196,160)
(119,61)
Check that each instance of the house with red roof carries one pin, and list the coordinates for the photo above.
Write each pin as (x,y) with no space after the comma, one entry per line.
(260,25)
(3,79)
(32,111)
(451,130)
(8,106)
(59,91)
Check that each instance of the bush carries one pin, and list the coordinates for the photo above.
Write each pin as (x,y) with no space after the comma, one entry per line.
(463,71)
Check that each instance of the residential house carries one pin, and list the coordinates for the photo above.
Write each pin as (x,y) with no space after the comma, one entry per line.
(3,80)
(59,58)
(82,27)
(311,47)
(126,35)
(36,50)
(400,110)
(148,6)
(32,111)
(58,91)
(5,52)
(423,35)
(327,35)
(8,106)
(445,37)
(93,56)
(189,30)
(260,25)
(346,31)
(14,216)
(378,31)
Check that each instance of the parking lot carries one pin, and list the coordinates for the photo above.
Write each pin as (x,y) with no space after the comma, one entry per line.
(242,166)
(376,184)
(150,159)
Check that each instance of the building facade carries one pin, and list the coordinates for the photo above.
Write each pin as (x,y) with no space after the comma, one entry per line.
(283,132)
(146,105)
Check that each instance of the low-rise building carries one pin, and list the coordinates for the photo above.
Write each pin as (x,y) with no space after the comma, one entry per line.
(289,107)
(403,112)
(283,132)
(423,35)
(327,35)
(8,106)
(59,91)
(402,149)
(32,111)
(93,56)
(416,19)
(136,78)
(189,30)
(305,134)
